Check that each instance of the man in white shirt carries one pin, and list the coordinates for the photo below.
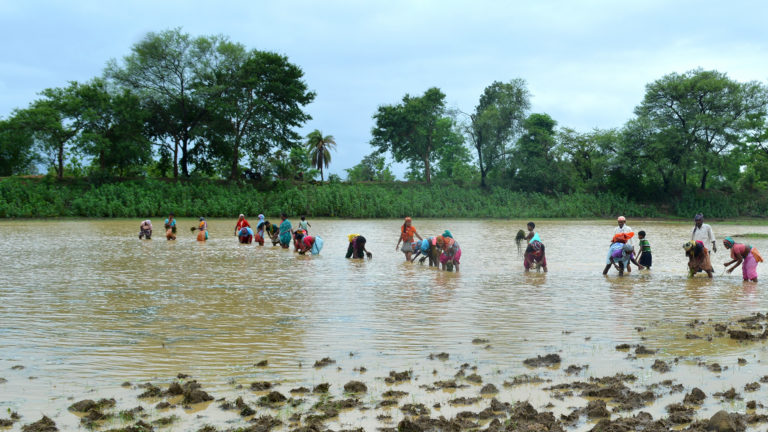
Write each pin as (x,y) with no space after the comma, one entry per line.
(703,232)
(624,228)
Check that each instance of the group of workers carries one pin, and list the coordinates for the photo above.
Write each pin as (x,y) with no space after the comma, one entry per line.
(621,252)
(443,251)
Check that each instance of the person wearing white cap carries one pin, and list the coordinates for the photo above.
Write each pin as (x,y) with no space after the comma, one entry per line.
(703,232)
(624,228)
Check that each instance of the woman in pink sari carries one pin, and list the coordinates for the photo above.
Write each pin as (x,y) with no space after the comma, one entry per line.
(744,255)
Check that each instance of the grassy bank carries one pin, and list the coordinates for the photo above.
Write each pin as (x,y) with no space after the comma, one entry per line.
(22,197)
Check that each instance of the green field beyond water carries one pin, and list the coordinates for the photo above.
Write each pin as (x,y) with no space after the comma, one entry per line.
(23,198)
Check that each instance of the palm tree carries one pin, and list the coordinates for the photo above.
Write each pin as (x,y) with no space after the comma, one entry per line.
(320,149)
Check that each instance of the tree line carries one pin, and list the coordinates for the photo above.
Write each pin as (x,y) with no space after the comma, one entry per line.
(182,106)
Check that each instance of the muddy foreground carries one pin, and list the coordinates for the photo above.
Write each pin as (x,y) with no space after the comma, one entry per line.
(453,396)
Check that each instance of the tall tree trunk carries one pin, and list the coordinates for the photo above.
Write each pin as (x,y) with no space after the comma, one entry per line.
(175,158)
(704,174)
(321,173)
(184,157)
(233,175)
(60,160)
(427,170)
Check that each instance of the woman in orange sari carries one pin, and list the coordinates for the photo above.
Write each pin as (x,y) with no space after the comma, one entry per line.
(407,231)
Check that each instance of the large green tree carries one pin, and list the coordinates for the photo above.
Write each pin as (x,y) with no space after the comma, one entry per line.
(704,113)
(373,167)
(414,129)
(17,153)
(113,128)
(55,121)
(256,102)
(496,121)
(167,69)
(535,164)
(320,147)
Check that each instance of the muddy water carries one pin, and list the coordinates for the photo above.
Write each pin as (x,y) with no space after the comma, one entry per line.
(85,306)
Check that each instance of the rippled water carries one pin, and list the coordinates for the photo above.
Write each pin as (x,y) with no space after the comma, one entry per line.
(86,305)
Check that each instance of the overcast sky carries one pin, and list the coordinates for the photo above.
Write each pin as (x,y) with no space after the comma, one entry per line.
(586,62)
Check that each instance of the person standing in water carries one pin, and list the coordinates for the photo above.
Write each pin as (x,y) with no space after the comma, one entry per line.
(407,231)
(170,227)
(703,232)
(645,258)
(624,228)
(241,223)
(286,231)
(304,225)
(202,235)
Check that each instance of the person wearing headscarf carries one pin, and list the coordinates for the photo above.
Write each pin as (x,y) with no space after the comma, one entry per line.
(698,258)
(451,256)
(356,248)
(202,234)
(623,228)
(535,256)
(241,223)
(407,231)
(431,251)
(260,226)
(245,235)
(703,232)
(621,253)
(745,256)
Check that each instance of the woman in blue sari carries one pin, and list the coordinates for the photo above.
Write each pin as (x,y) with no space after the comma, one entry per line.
(286,231)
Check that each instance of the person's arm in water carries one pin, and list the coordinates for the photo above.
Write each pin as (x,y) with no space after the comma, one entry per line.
(737,261)
(418,252)
(711,235)
(632,259)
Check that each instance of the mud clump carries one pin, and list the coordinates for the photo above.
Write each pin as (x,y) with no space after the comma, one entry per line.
(192,391)
(263,363)
(489,389)
(43,425)
(272,398)
(321,388)
(324,362)
(642,350)
(523,379)
(439,356)
(415,409)
(696,397)
(753,386)
(396,394)
(299,390)
(396,377)
(261,385)
(474,378)
(264,423)
(539,361)
(597,409)
(730,394)
(478,341)
(623,347)
(150,391)
(722,421)
(575,369)
(660,366)
(355,387)
(715,367)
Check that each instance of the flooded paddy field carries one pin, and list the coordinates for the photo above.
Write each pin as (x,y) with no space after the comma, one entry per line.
(184,335)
